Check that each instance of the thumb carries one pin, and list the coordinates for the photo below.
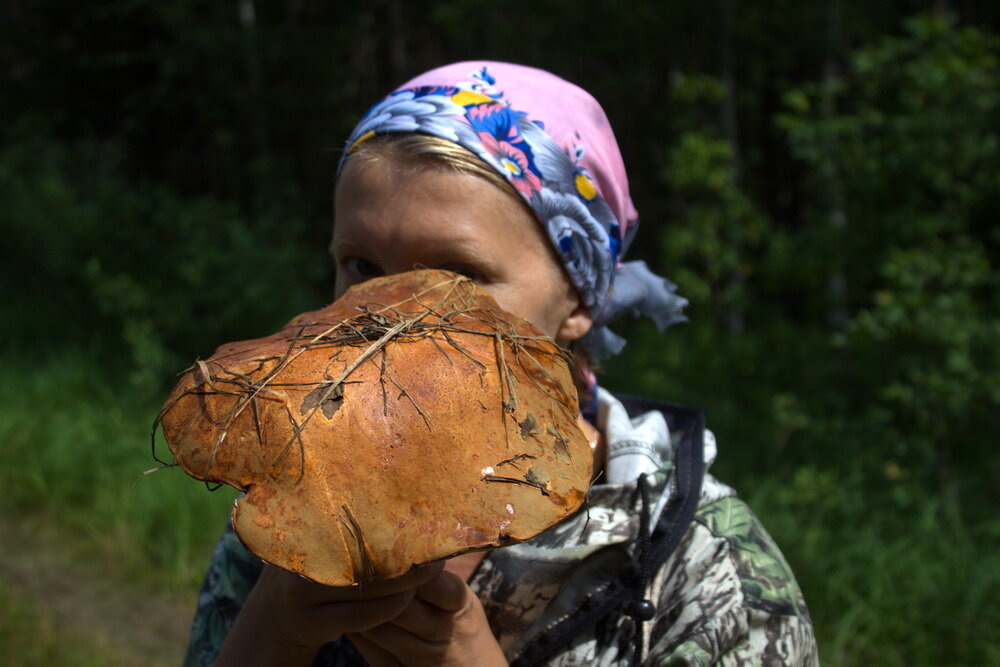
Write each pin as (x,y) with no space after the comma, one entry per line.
(446,591)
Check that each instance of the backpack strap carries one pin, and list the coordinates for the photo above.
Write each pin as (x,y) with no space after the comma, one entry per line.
(621,593)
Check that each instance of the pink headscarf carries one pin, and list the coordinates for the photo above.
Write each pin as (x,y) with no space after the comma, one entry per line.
(570,116)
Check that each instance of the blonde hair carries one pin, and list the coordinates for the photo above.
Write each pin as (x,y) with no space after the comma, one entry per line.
(426,151)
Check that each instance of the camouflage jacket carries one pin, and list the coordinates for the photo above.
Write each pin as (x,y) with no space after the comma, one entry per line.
(721,592)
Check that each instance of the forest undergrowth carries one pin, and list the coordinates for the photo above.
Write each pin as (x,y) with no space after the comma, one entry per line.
(886,583)
(103,562)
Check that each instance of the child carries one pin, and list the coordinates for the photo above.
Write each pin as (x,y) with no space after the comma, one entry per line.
(512,177)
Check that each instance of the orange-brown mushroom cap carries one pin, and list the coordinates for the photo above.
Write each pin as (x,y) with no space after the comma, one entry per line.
(411,420)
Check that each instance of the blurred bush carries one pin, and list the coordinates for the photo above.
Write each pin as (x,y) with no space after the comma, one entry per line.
(848,360)
(911,148)
(139,274)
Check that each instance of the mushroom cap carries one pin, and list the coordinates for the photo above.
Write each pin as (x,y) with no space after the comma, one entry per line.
(409,421)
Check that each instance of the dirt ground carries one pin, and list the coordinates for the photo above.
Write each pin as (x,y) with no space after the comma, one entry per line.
(87,599)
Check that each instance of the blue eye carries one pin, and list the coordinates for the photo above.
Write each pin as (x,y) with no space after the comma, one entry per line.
(361,267)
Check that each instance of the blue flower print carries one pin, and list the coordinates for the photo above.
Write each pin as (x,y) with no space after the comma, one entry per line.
(498,129)
(406,111)
(582,241)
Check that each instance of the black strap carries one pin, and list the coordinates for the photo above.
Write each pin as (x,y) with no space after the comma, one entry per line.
(667,534)
(641,609)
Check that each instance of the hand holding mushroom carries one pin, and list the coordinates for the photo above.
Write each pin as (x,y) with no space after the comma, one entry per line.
(287,618)
(443,625)
(410,421)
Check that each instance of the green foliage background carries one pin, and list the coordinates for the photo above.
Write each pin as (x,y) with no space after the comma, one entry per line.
(820,179)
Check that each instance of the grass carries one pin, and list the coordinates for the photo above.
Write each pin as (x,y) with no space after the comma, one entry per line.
(75,444)
(887,582)
(893,575)
(30,637)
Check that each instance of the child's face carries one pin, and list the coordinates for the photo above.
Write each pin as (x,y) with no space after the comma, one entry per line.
(390,220)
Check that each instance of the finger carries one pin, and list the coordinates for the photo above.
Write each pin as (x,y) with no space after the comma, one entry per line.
(359,615)
(374,655)
(425,621)
(403,643)
(312,593)
(447,592)
(415,578)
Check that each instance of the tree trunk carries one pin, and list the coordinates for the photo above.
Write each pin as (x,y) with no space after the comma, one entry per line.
(836,286)
(251,58)
(395,41)
(735,316)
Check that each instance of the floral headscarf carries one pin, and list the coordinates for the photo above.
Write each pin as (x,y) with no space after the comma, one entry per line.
(552,141)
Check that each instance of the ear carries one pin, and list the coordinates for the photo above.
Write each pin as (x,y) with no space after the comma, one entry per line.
(576,324)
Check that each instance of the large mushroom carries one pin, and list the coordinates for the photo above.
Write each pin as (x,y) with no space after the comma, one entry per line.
(411,420)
